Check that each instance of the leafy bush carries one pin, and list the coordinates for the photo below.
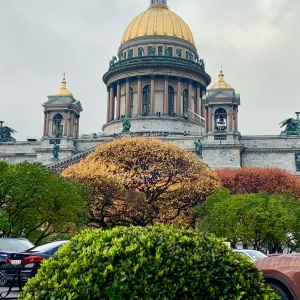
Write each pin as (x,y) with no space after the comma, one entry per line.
(159,262)
(253,180)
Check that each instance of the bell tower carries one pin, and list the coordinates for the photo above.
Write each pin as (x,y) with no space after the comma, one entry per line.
(221,113)
(61,122)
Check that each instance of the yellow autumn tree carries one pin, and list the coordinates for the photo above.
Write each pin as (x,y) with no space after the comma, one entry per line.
(142,181)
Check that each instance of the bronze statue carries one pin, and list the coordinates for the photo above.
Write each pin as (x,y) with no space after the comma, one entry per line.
(292,126)
(198,147)
(5,134)
(126,124)
(55,150)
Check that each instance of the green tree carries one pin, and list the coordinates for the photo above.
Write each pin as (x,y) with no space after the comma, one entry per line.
(259,219)
(142,181)
(37,203)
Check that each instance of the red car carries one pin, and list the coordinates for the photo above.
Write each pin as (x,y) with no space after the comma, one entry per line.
(282,273)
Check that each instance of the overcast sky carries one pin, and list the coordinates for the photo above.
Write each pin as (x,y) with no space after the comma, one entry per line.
(256,42)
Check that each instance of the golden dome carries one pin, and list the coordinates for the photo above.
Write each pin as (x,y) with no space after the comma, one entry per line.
(63,91)
(158,20)
(221,84)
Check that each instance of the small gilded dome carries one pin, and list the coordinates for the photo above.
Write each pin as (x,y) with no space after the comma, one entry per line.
(63,91)
(221,84)
(158,20)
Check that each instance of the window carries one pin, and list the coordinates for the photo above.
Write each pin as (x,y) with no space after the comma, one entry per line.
(146,100)
(140,51)
(160,50)
(171,110)
(130,53)
(178,53)
(185,102)
(169,51)
(151,50)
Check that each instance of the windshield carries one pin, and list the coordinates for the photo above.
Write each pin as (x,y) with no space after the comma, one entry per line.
(256,254)
(16,245)
(47,247)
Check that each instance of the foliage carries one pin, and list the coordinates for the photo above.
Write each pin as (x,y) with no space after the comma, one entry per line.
(37,204)
(254,180)
(259,219)
(153,262)
(142,181)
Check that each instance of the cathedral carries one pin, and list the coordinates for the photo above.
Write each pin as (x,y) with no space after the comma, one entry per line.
(157,87)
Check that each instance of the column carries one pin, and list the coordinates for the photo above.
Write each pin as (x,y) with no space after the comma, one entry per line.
(72,125)
(152,105)
(77,127)
(229,128)
(203,92)
(209,118)
(108,105)
(69,124)
(166,96)
(198,99)
(178,98)
(127,98)
(118,110)
(236,119)
(111,103)
(45,123)
(139,96)
(190,106)
(65,123)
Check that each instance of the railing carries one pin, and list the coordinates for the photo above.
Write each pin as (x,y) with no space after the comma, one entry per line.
(7,291)
(157,59)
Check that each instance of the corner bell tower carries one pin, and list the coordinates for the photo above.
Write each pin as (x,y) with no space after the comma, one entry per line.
(222,148)
(61,122)
(221,113)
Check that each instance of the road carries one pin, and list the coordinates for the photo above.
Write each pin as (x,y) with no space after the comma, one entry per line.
(13,294)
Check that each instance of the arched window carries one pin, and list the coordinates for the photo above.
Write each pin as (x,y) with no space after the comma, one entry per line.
(131,102)
(57,125)
(146,100)
(171,110)
(221,119)
(185,102)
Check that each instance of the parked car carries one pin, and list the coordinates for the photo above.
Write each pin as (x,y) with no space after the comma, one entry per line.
(251,254)
(282,273)
(9,245)
(29,260)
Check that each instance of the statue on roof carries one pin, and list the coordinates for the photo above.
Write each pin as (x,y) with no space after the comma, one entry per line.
(126,124)
(292,126)
(5,133)
(55,151)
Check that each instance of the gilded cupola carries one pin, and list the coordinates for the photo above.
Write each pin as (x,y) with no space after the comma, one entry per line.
(63,91)
(221,84)
(158,19)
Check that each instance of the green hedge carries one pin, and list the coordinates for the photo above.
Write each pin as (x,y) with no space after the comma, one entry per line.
(158,262)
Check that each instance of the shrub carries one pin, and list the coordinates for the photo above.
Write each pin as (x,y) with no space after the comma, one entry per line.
(159,262)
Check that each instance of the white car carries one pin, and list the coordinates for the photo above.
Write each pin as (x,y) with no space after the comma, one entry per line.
(252,254)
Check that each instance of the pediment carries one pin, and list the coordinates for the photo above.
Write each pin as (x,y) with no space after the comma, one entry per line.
(221,94)
(58,101)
